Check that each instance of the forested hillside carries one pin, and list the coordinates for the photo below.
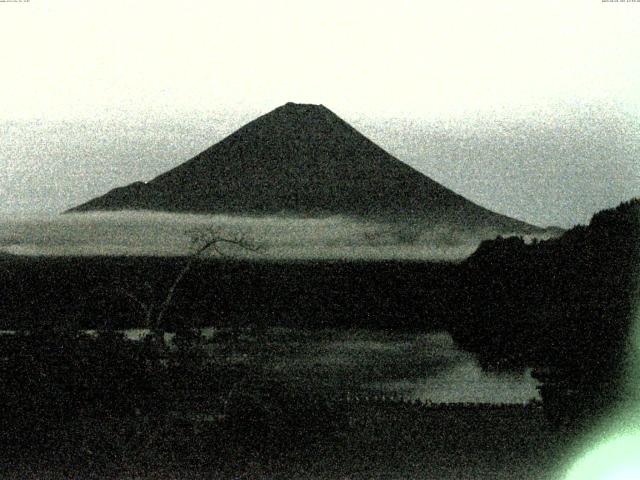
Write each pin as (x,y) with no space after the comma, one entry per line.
(564,306)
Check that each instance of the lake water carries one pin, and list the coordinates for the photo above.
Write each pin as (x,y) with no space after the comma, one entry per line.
(424,366)
(416,366)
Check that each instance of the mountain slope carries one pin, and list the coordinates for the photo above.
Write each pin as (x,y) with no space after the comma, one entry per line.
(302,160)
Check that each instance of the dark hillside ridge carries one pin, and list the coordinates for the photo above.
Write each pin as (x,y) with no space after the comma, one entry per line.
(302,160)
(566,306)
(95,292)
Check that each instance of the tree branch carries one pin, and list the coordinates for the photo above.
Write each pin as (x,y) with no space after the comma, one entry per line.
(202,240)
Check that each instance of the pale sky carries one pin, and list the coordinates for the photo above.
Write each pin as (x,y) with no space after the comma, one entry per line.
(543,97)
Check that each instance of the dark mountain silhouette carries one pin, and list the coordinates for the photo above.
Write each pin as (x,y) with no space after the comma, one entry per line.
(302,160)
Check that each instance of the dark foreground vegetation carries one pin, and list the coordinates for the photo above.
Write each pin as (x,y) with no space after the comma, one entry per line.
(383,444)
(103,406)
(98,403)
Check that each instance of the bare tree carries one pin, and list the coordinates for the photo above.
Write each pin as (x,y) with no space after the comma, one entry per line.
(203,241)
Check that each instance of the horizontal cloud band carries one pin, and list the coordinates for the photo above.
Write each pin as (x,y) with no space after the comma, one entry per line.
(279,237)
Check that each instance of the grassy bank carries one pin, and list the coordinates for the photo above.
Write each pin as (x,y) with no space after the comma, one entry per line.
(325,442)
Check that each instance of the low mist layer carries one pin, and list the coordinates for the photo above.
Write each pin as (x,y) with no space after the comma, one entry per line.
(163,234)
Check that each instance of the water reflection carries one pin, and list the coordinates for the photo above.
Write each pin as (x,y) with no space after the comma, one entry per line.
(416,366)
(428,367)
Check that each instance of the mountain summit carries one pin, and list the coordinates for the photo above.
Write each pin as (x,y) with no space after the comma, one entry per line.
(302,159)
